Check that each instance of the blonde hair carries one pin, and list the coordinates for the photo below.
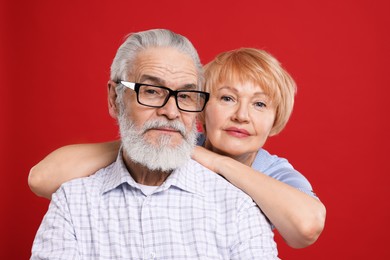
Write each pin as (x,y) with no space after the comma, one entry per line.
(260,68)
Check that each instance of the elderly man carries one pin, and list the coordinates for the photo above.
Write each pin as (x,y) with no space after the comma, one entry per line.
(154,202)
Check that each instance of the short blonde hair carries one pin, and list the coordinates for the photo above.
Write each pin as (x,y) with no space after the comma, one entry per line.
(260,68)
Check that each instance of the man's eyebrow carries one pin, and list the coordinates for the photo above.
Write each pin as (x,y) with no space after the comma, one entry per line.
(160,82)
(152,79)
(190,86)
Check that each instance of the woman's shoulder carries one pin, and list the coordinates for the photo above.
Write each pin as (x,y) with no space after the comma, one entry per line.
(265,161)
(280,169)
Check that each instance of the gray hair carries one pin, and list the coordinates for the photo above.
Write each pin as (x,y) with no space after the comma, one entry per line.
(136,42)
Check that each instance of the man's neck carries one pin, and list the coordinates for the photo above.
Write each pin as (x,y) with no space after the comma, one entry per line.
(144,175)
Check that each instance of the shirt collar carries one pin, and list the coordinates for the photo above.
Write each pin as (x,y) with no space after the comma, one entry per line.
(184,178)
(117,175)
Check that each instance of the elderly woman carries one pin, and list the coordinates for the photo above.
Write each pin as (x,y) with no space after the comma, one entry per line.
(252,98)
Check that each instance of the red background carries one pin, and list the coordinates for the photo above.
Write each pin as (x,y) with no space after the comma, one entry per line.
(55,58)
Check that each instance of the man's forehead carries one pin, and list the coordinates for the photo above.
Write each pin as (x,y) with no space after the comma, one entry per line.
(167,64)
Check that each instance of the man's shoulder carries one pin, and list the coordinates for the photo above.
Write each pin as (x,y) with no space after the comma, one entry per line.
(214,185)
(88,185)
(204,174)
(96,177)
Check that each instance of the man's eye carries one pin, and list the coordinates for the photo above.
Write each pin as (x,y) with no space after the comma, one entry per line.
(150,91)
(183,96)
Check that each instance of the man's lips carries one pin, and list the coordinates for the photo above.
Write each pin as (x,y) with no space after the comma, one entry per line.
(237,132)
(166,130)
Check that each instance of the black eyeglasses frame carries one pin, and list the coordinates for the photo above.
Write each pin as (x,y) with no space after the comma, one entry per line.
(136,86)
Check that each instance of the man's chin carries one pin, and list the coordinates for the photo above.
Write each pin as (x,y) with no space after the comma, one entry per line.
(163,159)
(166,142)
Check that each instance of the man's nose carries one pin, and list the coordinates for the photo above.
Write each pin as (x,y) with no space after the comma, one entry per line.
(170,109)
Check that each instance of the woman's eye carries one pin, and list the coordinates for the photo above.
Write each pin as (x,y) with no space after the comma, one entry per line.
(260,105)
(226,98)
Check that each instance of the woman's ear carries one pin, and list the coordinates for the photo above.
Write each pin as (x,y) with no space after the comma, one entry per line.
(111,94)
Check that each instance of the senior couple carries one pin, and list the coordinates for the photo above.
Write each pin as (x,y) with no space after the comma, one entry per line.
(164,191)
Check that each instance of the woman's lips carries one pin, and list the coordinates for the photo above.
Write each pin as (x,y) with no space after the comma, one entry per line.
(237,132)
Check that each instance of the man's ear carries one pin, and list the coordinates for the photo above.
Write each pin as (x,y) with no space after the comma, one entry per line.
(112,106)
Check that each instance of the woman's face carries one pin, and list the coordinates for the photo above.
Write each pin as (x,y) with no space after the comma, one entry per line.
(238,118)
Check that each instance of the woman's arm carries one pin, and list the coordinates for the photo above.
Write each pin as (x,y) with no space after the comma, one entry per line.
(70,162)
(298,217)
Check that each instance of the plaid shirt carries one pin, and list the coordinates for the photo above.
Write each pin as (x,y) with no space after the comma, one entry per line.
(194,214)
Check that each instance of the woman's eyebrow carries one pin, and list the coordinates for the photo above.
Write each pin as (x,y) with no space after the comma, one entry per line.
(259,93)
(228,88)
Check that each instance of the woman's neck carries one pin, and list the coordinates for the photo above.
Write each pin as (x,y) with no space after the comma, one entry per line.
(246,158)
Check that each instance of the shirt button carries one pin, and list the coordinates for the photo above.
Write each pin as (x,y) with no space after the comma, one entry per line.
(152,255)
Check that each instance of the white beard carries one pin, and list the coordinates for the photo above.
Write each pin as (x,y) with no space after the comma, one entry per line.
(161,156)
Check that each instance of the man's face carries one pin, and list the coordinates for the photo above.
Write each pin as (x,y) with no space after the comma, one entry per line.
(163,67)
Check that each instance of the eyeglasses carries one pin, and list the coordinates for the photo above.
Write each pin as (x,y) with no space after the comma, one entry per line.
(158,96)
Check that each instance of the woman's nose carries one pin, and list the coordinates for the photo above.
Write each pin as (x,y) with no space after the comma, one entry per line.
(241,114)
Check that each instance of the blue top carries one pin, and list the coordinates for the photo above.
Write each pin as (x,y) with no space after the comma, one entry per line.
(281,170)
(277,168)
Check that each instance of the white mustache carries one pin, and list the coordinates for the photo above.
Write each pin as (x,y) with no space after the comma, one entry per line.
(175,125)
